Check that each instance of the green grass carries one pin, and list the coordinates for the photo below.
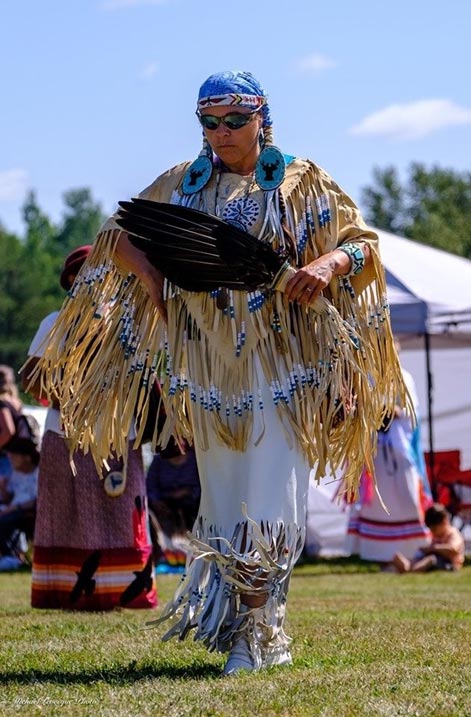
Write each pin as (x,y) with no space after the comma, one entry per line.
(365,644)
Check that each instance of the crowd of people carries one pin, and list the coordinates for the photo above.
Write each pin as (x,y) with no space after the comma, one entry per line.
(262,380)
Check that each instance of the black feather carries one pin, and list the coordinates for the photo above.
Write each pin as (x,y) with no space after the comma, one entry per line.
(197,251)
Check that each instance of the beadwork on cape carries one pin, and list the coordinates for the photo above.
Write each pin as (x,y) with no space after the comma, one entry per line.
(241,212)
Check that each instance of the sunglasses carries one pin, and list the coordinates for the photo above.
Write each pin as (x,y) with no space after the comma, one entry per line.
(234,120)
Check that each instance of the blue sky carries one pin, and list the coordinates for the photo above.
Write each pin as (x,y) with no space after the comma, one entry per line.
(101,93)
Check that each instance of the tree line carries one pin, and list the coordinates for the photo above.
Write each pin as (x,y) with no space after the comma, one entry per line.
(30,267)
(432,206)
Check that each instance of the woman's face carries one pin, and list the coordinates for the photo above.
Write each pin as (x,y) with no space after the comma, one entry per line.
(239,148)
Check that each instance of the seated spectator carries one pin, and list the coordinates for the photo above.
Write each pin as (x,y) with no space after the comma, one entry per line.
(19,500)
(445,552)
(173,492)
(10,406)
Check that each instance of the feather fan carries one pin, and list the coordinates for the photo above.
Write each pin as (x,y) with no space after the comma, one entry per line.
(197,251)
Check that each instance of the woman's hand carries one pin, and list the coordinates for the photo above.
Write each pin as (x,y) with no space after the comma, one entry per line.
(308,282)
(131,259)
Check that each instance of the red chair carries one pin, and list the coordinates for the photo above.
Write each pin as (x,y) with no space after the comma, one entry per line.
(450,485)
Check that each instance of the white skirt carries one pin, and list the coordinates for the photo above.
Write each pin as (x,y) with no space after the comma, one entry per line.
(247,538)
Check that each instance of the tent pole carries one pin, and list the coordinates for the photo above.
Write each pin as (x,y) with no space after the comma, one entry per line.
(430,408)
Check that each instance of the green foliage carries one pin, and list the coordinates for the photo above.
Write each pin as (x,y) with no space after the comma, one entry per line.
(30,267)
(385,201)
(14,292)
(365,644)
(432,207)
(82,220)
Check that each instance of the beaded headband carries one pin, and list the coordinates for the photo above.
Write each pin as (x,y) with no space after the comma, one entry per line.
(252,101)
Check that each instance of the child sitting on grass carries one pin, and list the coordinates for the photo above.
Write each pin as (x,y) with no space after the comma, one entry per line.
(445,552)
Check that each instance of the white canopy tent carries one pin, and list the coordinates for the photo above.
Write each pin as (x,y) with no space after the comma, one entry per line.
(429,293)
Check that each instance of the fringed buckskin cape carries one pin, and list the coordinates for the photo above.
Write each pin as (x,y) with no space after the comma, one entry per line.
(332,368)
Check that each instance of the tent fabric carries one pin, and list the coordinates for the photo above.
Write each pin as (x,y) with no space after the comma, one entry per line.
(439,281)
(451,393)
(326,520)
(408,312)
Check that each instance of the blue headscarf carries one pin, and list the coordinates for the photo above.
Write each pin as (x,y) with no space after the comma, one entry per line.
(234,88)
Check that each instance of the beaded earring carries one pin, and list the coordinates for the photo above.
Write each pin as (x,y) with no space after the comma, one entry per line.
(271,165)
(199,172)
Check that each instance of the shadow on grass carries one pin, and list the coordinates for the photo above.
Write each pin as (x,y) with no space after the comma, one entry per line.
(120,674)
